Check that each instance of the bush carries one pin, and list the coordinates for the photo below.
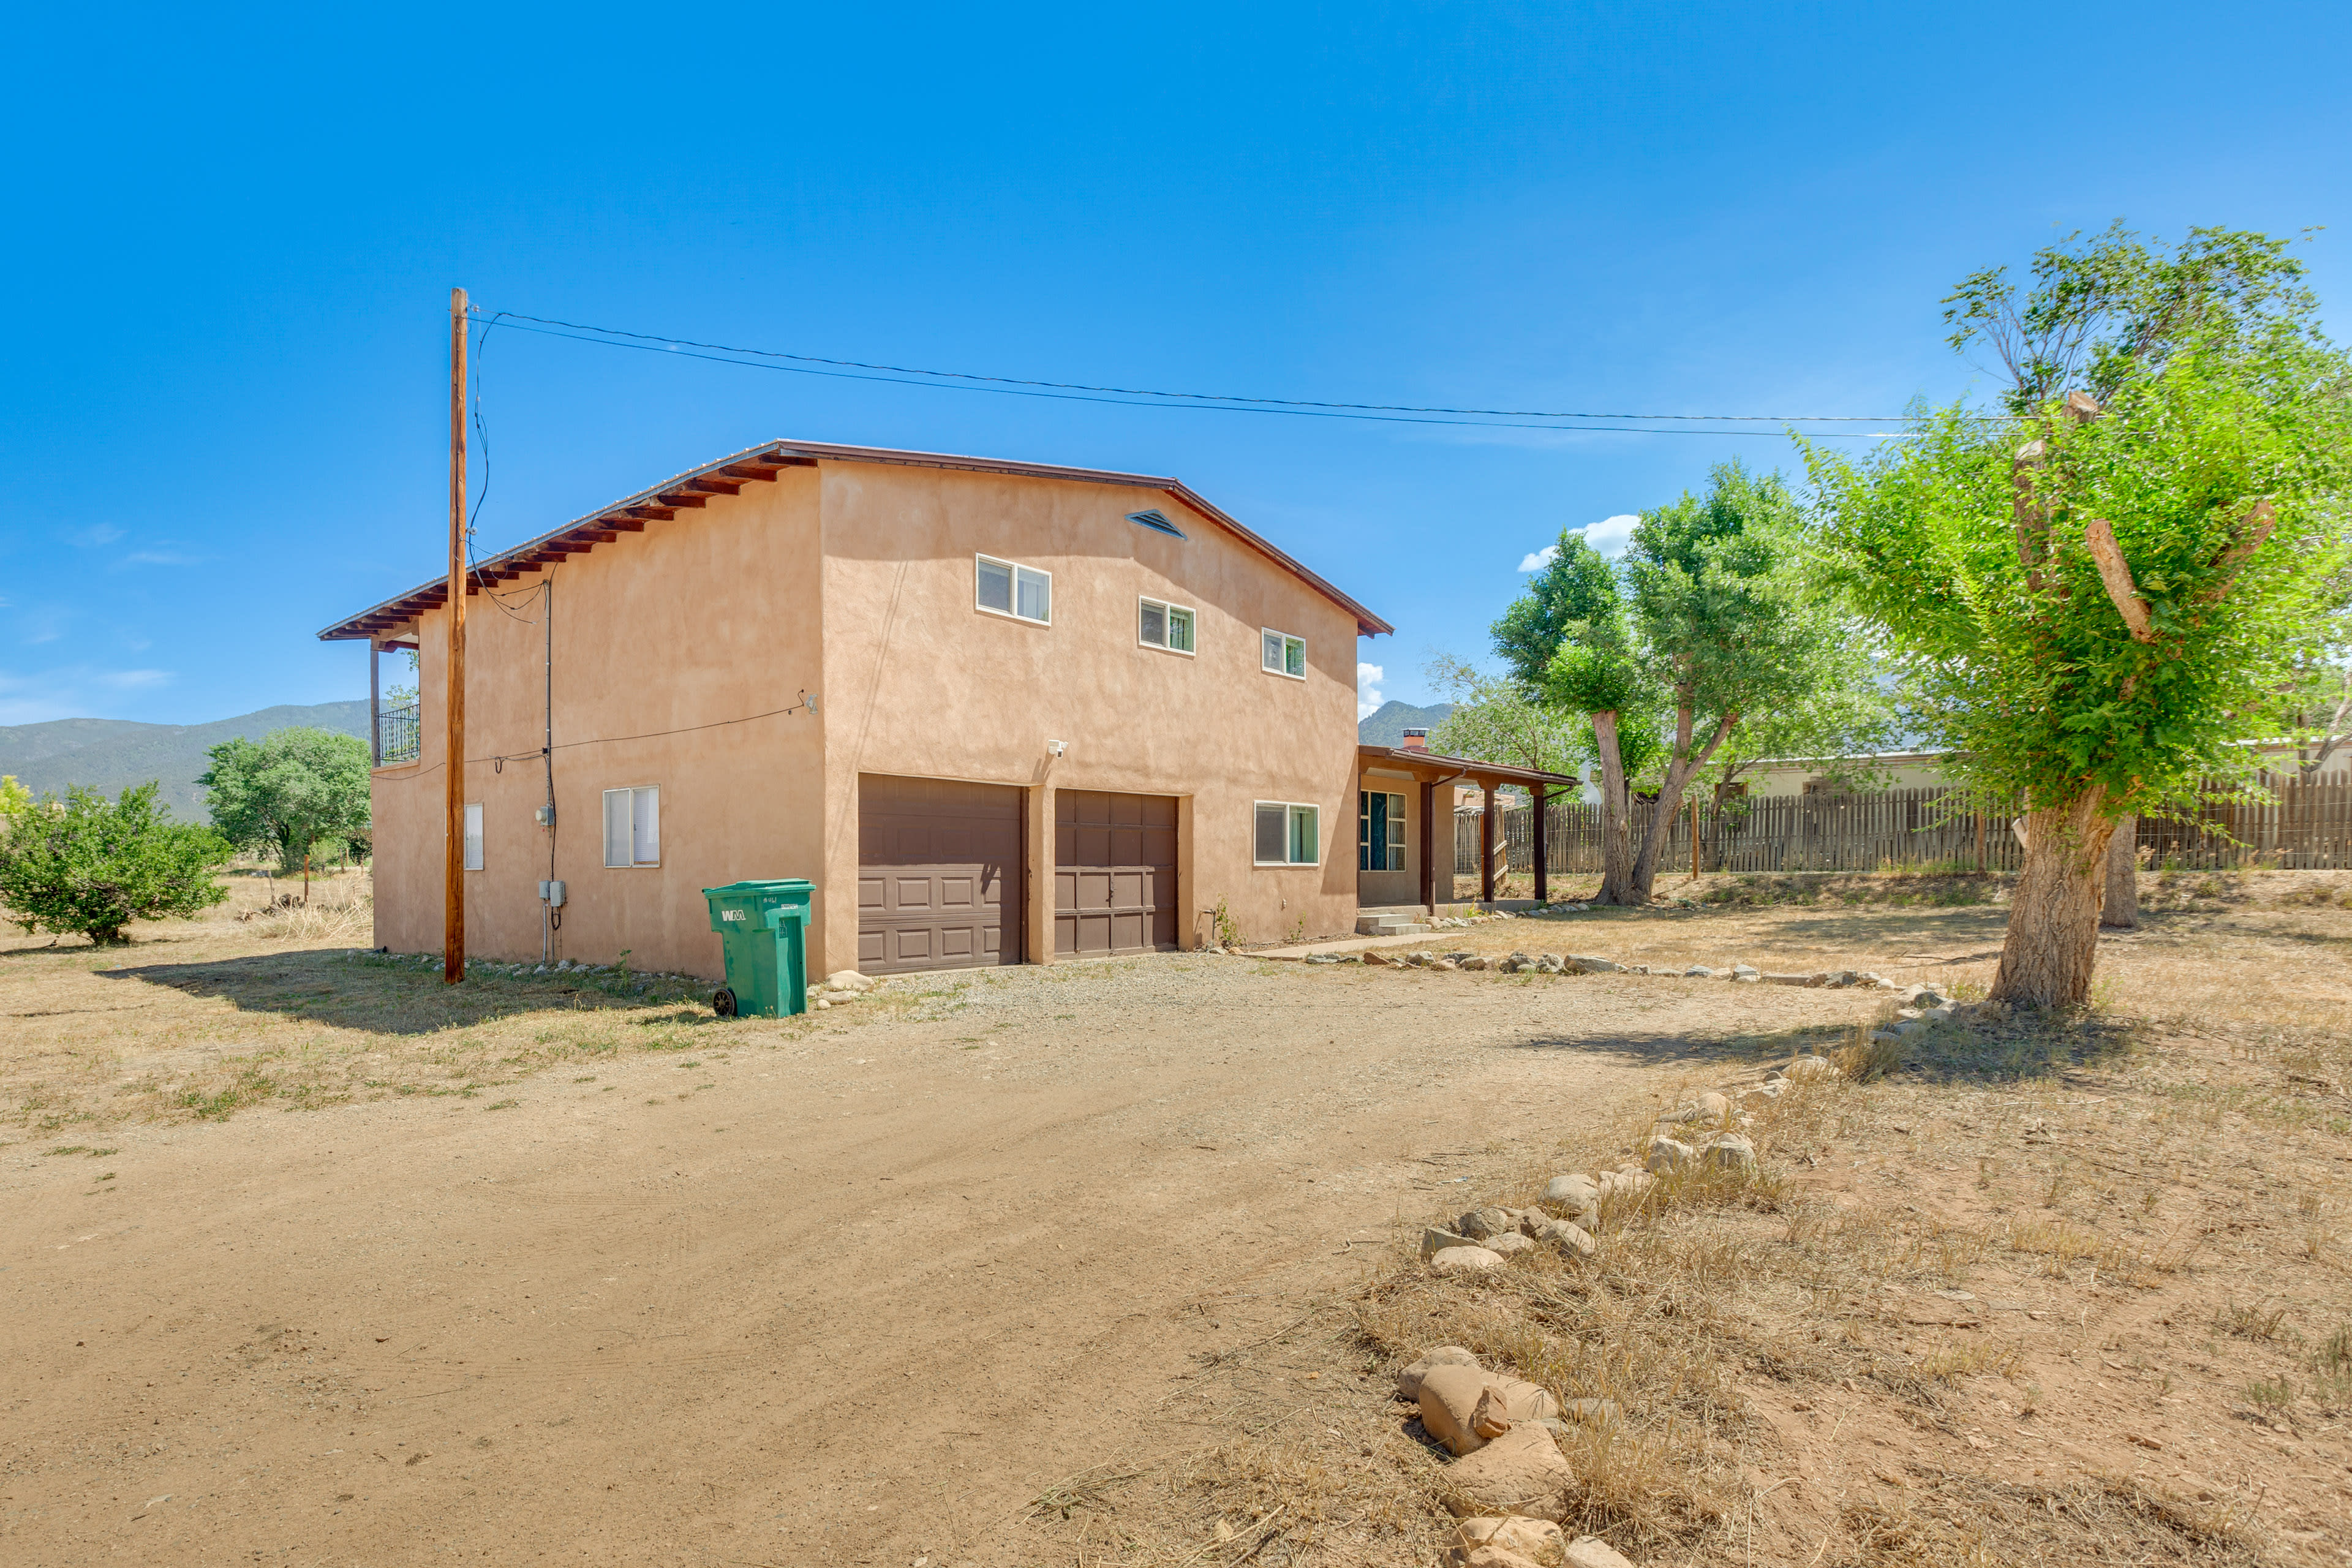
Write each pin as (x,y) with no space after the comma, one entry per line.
(90,864)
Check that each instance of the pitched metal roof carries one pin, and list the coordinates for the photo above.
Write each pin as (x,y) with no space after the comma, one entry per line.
(729,475)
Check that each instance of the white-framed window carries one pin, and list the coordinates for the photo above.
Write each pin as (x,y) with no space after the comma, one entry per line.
(1009,588)
(1288,834)
(473,835)
(1162,624)
(1284,655)
(1380,831)
(633,826)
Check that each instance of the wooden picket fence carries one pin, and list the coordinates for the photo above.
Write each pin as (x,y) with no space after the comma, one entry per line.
(2287,825)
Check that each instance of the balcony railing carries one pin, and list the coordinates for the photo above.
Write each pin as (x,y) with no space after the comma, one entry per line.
(396,735)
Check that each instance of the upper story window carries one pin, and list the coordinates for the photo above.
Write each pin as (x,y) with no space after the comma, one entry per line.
(1162,624)
(1285,654)
(1004,588)
(632,826)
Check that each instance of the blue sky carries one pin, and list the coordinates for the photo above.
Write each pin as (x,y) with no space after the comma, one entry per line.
(232,240)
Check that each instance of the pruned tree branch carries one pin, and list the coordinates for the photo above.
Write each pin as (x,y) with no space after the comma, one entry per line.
(2253,530)
(2115,572)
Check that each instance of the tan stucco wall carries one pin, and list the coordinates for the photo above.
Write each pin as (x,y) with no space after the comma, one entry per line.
(710,616)
(856,581)
(924,683)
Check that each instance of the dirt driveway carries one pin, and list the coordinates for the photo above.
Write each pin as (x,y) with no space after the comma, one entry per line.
(854,1291)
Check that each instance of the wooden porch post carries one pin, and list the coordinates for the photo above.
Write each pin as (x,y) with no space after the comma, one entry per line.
(1487,848)
(375,715)
(1543,869)
(1429,845)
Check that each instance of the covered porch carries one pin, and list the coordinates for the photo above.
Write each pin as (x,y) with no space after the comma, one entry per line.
(1405,800)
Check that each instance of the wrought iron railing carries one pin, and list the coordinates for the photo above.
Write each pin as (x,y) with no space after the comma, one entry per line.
(396,735)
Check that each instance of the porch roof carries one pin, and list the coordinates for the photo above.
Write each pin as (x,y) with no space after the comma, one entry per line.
(1430,767)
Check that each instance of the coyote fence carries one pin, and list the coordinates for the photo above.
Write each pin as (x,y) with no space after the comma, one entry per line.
(2284,824)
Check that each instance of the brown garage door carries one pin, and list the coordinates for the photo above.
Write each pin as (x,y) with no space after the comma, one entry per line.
(1114,872)
(939,874)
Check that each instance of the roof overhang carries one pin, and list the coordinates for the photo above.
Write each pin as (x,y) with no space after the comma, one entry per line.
(1430,767)
(753,465)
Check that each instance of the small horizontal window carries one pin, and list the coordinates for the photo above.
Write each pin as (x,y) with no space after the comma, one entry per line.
(1288,834)
(1003,588)
(632,826)
(1285,654)
(1156,521)
(1162,624)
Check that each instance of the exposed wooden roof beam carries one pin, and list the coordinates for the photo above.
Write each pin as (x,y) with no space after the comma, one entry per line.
(682,498)
(713,487)
(601,536)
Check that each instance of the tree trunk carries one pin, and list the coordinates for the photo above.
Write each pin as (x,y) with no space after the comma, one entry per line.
(1670,799)
(2054,917)
(1616,816)
(2119,907)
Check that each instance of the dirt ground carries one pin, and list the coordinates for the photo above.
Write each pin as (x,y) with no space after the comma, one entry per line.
(306,1258)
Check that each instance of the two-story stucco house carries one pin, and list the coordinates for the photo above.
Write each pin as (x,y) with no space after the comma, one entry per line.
(996,711)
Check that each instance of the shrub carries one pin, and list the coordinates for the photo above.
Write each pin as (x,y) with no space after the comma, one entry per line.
(90,864)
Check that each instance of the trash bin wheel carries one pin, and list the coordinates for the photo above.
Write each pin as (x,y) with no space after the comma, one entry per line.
(722,1002)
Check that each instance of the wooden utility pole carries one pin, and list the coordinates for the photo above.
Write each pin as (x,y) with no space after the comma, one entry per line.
(453,859)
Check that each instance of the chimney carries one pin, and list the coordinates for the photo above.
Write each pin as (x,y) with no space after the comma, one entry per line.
(1414,740)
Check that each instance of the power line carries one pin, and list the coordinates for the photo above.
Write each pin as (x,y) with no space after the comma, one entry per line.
(1137,398)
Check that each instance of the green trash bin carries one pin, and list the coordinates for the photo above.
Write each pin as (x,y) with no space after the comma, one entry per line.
(763,927)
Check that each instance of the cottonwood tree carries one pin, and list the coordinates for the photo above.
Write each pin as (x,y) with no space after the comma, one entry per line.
(1567,640)
(1499,719)
(287,790)
(2100,605)
(1725,625)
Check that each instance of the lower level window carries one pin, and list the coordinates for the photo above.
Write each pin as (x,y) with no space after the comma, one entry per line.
(473,835)
(632,826)
(1288,834)
(1380,831)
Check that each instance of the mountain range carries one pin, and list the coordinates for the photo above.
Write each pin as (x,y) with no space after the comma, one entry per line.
(111,754)
(1386,725)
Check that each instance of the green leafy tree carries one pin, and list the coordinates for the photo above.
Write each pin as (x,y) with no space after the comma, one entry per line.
(90,864)
(16,801)
(1498,719)
(1726,627)
(1567,641)
(2098,609)
(287,790)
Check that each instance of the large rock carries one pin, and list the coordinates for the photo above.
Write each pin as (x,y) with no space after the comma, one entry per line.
(1669,1155)
(1714,1107)
(1434,1241)
(1698,971)
(1466,1261)
(1730,1154)
(1746,973)
(1770,979)
(1812,1067)
(1539,1539)
(1522,1471)
(1591,1551)
(1455,1408)
(1626,1184)
(1585,963)
(1490,1556)
(1408,1380)
(849,980)
(1510,1244)
(1572,1192)
(1480,1224)
(1569,1236)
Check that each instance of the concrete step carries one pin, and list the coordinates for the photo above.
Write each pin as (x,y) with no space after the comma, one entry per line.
(1388,925)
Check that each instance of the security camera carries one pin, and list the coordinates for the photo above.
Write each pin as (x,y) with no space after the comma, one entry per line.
(1058,747)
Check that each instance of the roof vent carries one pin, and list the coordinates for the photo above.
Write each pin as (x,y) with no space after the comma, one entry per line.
(1157,520)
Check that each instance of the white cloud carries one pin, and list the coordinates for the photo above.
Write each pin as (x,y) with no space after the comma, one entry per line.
(90,537)
(1369,678)
(1608,536)
(134,679)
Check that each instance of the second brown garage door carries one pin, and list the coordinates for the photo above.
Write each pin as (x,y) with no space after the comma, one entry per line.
(1114,873)
(939,874)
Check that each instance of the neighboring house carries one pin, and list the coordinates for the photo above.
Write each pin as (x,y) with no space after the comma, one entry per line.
(996,711)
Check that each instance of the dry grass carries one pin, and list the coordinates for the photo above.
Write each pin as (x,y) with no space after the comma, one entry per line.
(2029,1291)
(267,1003)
